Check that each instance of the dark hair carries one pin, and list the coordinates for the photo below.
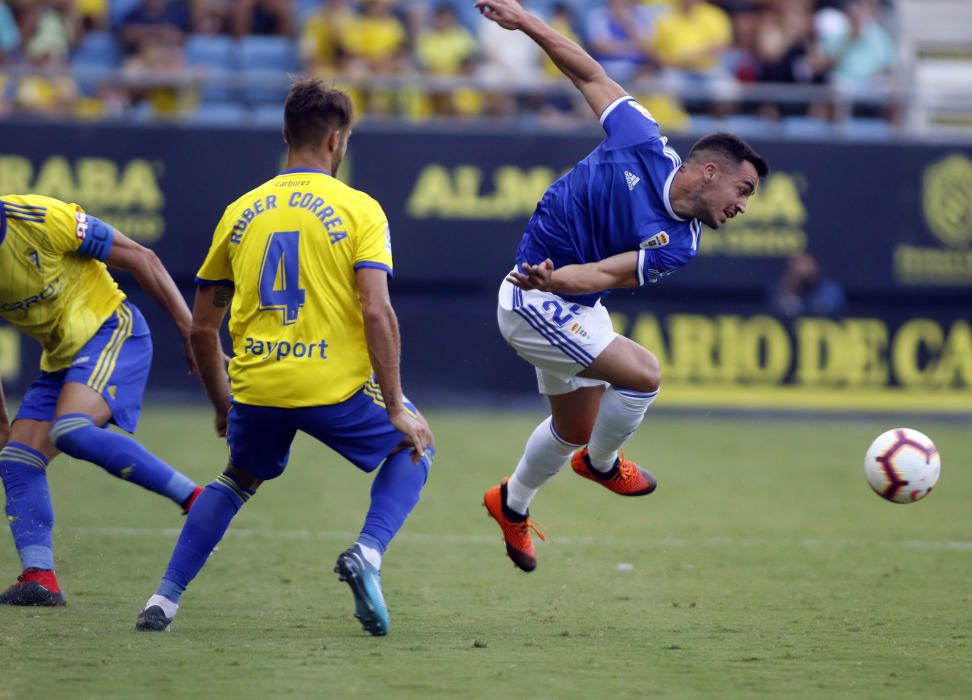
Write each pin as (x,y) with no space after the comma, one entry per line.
(731,147)
(313,111)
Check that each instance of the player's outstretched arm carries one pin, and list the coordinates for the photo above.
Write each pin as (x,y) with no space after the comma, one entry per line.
(586,73)
(384,349)
(208,313)
(151,275)
(616,272)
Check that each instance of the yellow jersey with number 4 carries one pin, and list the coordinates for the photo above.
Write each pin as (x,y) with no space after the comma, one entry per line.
(291,249)
(53,285)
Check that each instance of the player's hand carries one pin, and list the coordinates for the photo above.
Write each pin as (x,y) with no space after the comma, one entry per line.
(221,420)
(418,435)
(190,357)
(533,276)
(508,14)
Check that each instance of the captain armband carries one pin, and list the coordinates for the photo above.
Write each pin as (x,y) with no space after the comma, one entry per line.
(96,236)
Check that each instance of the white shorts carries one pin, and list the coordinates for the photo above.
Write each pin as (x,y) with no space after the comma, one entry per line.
(560,339)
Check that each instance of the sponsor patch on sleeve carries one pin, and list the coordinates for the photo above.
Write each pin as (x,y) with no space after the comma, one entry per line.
(659,240)
(81,228)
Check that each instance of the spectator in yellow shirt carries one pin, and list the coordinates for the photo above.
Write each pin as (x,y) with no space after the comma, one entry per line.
(692,37)
(321,36)
(443,48)
(93,13)
(46,95)
(447,48)
(376,40)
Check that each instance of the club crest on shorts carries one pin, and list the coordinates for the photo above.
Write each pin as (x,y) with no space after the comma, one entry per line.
(657,241)
(578,329)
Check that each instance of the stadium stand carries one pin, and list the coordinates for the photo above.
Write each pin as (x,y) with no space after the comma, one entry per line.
(266,60)
(800,69)
(218,113)
(216,56)
(935,51)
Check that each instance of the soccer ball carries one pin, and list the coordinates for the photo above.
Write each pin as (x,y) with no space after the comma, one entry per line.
(902,465)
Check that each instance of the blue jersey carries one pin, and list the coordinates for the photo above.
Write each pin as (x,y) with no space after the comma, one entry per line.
(614,201)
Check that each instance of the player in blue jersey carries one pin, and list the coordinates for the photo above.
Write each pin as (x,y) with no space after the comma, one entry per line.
(630,213)
(55,287)
(302,264)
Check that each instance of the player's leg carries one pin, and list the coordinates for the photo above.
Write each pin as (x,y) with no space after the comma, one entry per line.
(545,453)
(30,513)
(634,376)
(560,340)
(566,430)
(259,438)
(360,431)
(394,493)
(107,383)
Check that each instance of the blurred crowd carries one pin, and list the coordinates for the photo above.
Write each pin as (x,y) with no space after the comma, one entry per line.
(691,54)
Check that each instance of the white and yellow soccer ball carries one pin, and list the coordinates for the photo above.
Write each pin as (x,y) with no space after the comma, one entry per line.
(902,465)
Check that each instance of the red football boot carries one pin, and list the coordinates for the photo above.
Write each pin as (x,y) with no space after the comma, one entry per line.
(192,499)
(34,587)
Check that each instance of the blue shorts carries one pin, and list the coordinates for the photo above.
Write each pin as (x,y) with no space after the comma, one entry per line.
(115,363)
(358,429)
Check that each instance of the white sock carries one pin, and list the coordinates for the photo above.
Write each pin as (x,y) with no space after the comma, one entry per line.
(168,607)
(619,415)
(371,555)
(544,455)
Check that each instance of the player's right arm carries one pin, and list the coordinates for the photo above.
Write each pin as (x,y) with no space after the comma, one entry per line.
(209,310)
(384,349)
(4,418)
(616,272)
(215,284)
(582,70)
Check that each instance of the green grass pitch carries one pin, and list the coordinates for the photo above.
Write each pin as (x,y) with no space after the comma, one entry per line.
(762,567)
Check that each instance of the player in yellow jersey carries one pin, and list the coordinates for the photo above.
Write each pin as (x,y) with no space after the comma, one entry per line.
(302,263)
(55,287)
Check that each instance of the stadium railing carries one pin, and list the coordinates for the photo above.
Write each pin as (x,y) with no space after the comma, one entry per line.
(261,88)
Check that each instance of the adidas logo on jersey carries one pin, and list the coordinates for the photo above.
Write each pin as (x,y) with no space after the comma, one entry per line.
(631,179)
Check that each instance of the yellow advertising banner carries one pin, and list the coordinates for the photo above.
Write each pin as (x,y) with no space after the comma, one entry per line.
(867,364)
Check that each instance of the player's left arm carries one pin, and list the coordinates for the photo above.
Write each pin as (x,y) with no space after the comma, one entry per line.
(584,72)
(384,348)
(616,272)
(151,275)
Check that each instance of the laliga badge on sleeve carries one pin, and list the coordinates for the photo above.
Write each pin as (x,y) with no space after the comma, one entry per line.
(659,240)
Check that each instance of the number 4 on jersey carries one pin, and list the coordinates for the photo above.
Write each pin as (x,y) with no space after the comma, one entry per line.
(280,262)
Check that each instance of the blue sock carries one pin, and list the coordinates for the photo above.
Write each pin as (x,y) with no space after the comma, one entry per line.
(77,435)
(205,525)
(29,509)
(394,493)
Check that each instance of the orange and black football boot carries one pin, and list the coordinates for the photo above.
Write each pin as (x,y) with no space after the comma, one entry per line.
(516,528)
(624,478)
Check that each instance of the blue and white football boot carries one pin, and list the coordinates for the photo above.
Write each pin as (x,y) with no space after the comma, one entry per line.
(365,583)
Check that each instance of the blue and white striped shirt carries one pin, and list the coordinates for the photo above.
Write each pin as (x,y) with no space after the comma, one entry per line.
(614,201)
